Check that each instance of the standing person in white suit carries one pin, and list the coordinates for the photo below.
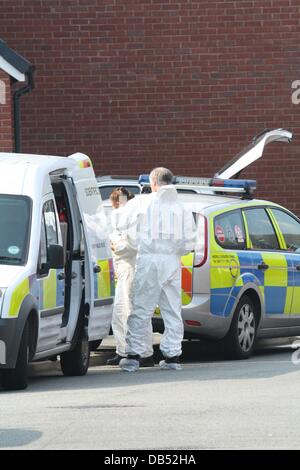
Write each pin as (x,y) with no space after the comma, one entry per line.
(124,261)
(162,231)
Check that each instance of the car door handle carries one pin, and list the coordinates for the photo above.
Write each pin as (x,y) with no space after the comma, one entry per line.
(298,267)
(61,276)
(73,275)
(97,269)
(263,266)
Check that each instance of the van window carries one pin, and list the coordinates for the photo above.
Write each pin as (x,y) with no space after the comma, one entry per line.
(50,223)
(261,230)
(48,231)
(15,215)
(229,230)
(290,228)
(43,246)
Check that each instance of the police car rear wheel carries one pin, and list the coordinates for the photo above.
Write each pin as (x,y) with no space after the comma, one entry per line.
(16,379)
(239,343)
(76,362)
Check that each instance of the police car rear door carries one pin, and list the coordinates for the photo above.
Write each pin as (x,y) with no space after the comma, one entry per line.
(253,152)
(99,275)
(270,266)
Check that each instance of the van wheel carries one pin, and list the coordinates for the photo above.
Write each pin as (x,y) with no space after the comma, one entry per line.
(94,345)
(17,378)
(239,342)
(76,362)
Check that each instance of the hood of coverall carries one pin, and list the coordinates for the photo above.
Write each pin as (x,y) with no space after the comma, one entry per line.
(159,222)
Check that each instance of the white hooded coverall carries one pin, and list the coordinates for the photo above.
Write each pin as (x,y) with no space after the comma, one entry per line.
(124,260)
(162,231)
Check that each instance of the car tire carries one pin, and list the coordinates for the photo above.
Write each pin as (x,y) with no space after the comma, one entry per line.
(239,342)
(94,345)
(76,362)
(17,378)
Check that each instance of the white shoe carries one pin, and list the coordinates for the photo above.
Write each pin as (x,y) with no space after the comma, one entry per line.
(129,365)
(163,365)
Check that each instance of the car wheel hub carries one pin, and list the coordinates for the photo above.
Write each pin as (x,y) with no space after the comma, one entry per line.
(246,327)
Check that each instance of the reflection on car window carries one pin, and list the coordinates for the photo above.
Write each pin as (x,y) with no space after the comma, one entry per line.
(261,231)
(229,230)
(290,229)
(43,245)
(106,191)
(50,223)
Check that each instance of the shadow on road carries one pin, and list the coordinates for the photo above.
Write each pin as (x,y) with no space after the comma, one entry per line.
(18,437)
(201,362)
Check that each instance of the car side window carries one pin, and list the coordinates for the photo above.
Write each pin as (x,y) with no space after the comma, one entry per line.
(290,228)
(49,234)
(261,230)
(43,245)
(50,223)
(229,230)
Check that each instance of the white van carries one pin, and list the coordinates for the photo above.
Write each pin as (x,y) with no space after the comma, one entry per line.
(56,269)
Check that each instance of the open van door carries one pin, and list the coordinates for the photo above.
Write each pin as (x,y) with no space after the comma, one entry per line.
(253,152)
(98,264)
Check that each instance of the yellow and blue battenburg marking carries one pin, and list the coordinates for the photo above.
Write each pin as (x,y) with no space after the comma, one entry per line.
(48,292)
(104,282)
(51,291)
(279,285)
(18,295)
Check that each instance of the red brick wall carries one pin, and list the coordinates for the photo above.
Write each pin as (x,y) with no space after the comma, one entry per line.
(185,84)
(6,134)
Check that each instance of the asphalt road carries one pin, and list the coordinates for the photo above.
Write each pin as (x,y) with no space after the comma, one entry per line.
(210,404)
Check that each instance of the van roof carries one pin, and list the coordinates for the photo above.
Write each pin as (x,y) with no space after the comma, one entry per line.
(18,171)
(24,158)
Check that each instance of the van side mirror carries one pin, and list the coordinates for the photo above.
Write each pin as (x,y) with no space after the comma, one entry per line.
(56,257)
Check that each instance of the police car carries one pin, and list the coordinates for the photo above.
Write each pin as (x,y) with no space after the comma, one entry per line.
(243,280)
(107,184)
(135,185)
(56,269)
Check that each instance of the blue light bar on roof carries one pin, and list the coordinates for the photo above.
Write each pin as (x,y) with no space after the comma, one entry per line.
(195,180)
(247,185)
(144,179)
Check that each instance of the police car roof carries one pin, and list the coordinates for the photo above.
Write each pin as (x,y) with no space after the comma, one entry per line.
(206,200)
(111,180)
(198,202)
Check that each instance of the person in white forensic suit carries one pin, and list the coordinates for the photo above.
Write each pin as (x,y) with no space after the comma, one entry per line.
(124,261)
(162,231)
